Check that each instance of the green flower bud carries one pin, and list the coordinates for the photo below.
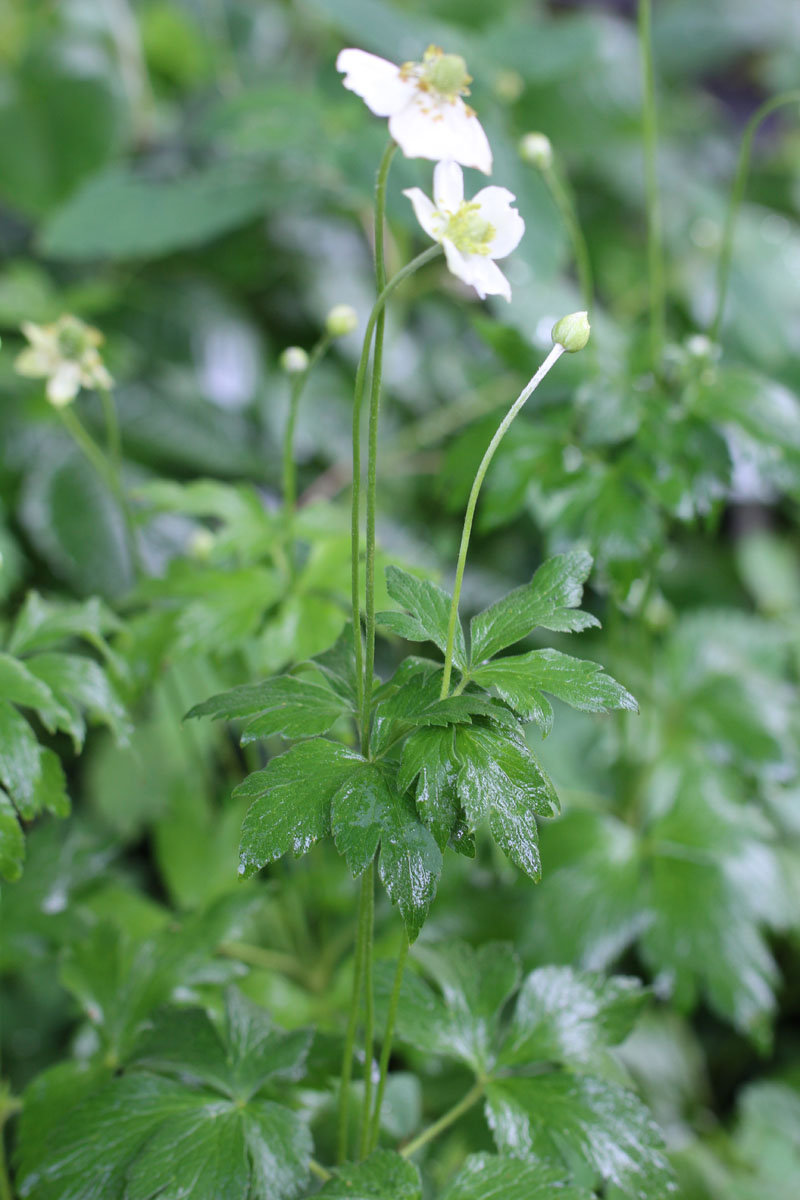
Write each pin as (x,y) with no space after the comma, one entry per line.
(294,360)
(572,332)
(341,320)
(537,150)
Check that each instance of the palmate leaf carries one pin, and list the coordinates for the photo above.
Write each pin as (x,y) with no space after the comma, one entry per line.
(429,758)
(500,779)
(139,1134)
(520,680)
(556,1116)
(319,786)
(487,1177)
(289,705)
(383,1176)
(427,613)
(549,601)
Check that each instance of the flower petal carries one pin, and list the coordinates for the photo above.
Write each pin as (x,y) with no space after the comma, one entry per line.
(376,80)
(425,212)
(478,271)
(495,205)
(465,136)
(448,186)
(427,128)
(64,385)
(33,363)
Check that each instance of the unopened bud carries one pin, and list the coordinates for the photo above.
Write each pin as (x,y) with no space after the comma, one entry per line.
(201,543)
(294,360)
(537,150)
(698,345)
(341,320)
(572,332)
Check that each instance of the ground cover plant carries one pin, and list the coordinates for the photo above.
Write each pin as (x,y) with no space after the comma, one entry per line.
(398,684)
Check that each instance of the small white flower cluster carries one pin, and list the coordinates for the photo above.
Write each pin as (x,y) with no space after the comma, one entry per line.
(428,118)
(66,354)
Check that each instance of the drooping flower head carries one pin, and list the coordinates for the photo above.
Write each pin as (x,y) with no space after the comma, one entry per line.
(424,103)
(473,232)
(66,355)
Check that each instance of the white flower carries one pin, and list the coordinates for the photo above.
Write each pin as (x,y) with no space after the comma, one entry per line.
(423,101)
(66,355)
(473,233)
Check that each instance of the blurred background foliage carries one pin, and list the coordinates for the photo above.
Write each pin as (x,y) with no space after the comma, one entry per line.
(190,176)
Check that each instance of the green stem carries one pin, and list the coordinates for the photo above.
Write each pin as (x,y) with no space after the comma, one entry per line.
(386,1048)
(655,257)
(352,1022)
(372,455)
(369,1006)
(297,388)
(317,1169)
(736,198)
(565,204)
(358,396)
(502,428)
(85,442)
(450,1117)
(267,960)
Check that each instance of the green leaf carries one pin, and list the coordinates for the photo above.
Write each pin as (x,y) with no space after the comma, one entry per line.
(118,215)
(419,702)
(461,1022)
(360,812)
(12,840)
(562,1015)
(520,680)
(549,601)
(279,1148)
(486,1177)
(20,766)
(236,1060)
(559,1116)
(41,624)
(410,864)
(427,613)
(383,1176)
(80,683)
(291,801)
(199,1153)
(338,664)
(19,686)
(429,758)
(288,705)
(499,778)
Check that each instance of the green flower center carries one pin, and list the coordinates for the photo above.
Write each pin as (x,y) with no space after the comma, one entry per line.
(444,74)
(469,232)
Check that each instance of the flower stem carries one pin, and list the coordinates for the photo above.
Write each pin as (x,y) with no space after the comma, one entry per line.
(450,1117)
(564,202)
(655,257)
(386,1048)
(372,454)
(502,428)
(317,1169)
(355,526)
(736,198)
(369,1006)
(362,938)
(297,388)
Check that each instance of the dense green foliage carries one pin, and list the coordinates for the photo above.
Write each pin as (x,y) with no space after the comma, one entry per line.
(601,892)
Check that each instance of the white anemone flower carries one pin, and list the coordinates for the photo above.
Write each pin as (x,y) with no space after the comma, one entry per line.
(472,232)
(66,355)
(424,103)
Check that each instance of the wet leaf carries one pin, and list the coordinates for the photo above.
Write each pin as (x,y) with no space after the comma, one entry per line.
(487,1177)
(289,705)
(427,613)
(383,1176)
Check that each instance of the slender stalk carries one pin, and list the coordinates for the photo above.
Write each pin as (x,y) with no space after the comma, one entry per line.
(450,1117)
(502,428)
(386,1048)
(317,1169)
(267,960)
(655,253)
(372,456)
(369,1007)
(298,384)
(355,525)
(352,1022)
(113,438)
(85,442)
(564,202)
(736,198)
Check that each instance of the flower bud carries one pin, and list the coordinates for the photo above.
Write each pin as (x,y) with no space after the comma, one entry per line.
(294,360)
(537,150)
(572,332)
(341,320)
(201,543)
